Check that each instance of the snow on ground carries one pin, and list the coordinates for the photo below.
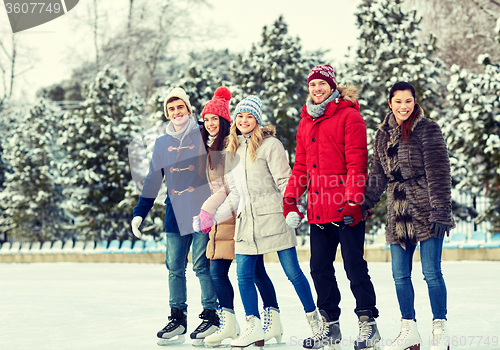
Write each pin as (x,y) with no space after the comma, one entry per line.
(72,306)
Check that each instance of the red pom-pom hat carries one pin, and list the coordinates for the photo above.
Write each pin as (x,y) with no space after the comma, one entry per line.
(219,104)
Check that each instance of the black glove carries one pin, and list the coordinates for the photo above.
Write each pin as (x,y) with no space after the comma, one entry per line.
(440,229)
(365,212)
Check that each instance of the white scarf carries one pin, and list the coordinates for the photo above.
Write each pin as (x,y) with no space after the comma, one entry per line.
(211,140)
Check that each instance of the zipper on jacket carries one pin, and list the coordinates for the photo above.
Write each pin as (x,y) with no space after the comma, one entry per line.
(248,193)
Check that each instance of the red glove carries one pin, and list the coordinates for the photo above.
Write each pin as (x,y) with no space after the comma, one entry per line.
(352,211)
(289,205)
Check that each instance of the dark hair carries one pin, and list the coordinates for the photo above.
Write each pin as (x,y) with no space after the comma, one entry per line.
(218,144)
(407,126)
(175,98)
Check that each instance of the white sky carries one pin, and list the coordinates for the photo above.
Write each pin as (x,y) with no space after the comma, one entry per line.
(56,47)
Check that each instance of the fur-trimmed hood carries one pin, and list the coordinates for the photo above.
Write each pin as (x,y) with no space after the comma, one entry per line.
(348,93)
(268,131)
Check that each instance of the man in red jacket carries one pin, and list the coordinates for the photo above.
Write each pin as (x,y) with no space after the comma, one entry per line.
(331,163)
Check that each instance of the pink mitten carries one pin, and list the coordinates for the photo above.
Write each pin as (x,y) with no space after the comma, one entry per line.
(206,221)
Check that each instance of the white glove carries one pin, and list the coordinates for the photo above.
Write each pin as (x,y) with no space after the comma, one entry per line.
(196,224)
(136,222)
(293,219)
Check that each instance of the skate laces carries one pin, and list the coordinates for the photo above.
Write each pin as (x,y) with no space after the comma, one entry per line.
(365,329)
(221,320)
(437,331)
(314,322)
(250,326)
(208,318)
(405,329)
(266,315)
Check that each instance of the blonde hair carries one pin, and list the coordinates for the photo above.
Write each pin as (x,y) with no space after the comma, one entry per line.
(256,139)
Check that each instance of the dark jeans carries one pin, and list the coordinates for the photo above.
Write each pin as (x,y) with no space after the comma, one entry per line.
(324,242)
(251,272)
(219,270)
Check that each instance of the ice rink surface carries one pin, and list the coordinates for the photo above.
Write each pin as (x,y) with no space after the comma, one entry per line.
(72,306)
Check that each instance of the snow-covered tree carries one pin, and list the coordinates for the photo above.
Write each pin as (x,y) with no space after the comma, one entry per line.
(472,131)
(31,197)
(199,83)
(96,171)
(389,51)
(276,70)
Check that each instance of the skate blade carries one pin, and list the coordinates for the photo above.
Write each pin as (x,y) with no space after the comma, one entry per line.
(179,339)
(198,343)
(270,345)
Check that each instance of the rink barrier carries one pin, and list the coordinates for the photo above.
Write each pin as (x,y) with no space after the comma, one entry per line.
(154,253)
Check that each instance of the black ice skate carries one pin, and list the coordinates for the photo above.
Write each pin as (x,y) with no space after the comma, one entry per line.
(173,332)
(369,337)
(209,325)
(329,336)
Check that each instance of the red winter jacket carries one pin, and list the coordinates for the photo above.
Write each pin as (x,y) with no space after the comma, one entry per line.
(331,158)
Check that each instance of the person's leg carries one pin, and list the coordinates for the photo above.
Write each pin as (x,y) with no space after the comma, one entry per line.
(323,243)
(264,284)
(352,241)
(401,272)
(201,267)
(430,256)
(219,270)
(176,259)
(290,264)
(245,267)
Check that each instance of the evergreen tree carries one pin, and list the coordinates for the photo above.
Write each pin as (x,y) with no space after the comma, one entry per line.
(389,51)
(96,171)
(199,84)
(472,131)
(31,197)
(140,152)
(276,70)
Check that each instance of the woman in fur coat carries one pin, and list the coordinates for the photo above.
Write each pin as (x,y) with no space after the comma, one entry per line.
(257,172)
(410,160)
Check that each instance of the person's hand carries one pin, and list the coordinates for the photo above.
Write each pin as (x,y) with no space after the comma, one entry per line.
(440,229)
(365,212)
(196,223)
(203,222)
(351,214)
(136,222)
(293,219)
(291,212)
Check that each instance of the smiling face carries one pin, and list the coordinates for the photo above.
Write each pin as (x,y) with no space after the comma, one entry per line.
(319,90)
(402,105)
(212,123)
(245,122)
(178,113)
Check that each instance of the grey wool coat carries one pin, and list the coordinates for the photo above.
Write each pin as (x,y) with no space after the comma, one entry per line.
(256,190)
(417,176)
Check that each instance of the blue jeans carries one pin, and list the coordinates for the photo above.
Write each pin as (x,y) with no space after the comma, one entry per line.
(176,261)
(251,271)
(430,257)
(291,267)
(219,270)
